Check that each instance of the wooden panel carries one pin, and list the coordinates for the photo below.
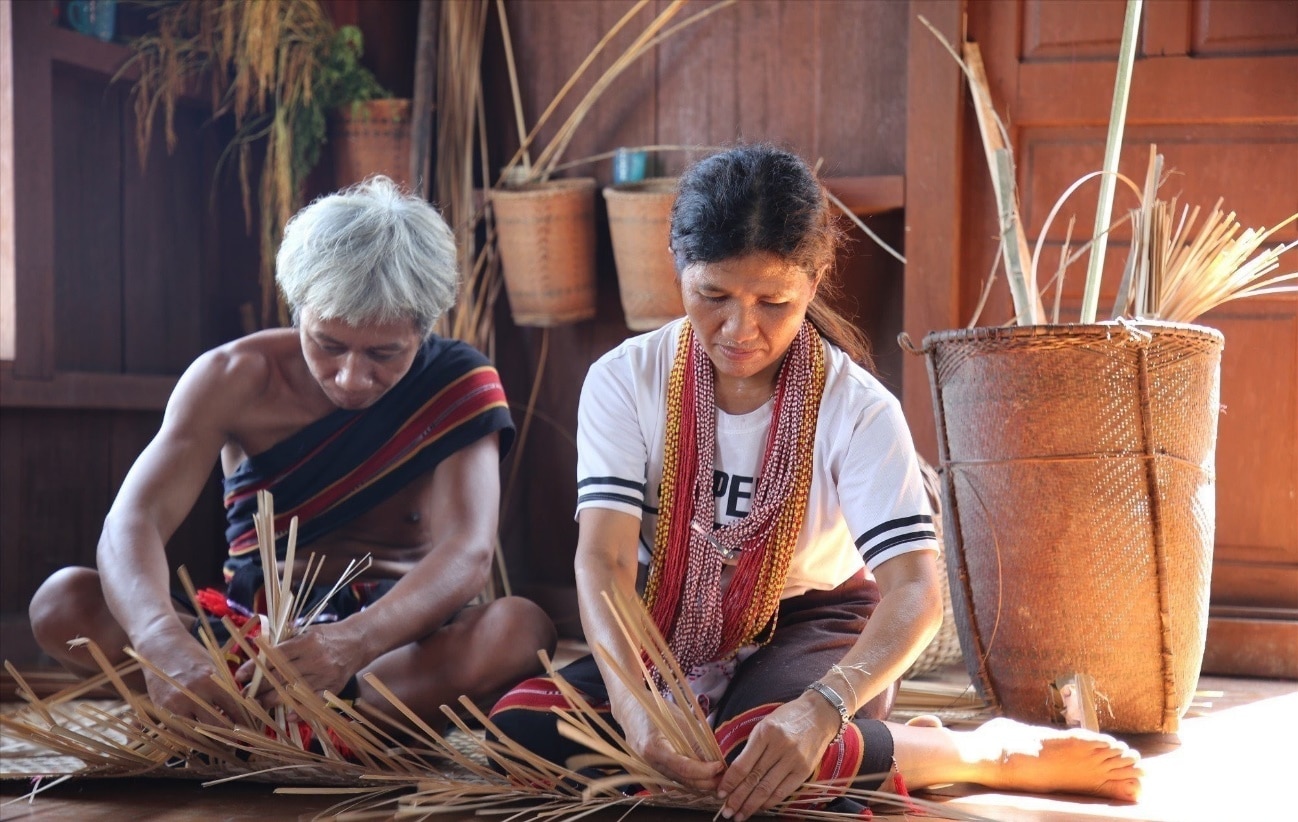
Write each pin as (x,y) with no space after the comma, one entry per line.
(721,82)
(1267,585)
(1165,30)
(860,113)
(934,202)
(127,392)
(1204,164)
(1252,647)
(1073,31)
(699,79)
(551,39)
(164,206)
(1270,27)
(60,472)
(774,89)
(34,222)
(1258,432)
(6,185)
(873,288)
(87,235)
(1168,90)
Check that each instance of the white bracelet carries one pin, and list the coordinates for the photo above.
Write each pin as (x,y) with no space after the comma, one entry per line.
(831,696)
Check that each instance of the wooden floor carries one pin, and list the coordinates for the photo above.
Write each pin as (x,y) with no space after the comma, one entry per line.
(1234,759)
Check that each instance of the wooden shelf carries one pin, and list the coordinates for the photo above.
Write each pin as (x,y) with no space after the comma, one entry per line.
(72,48)
(84,390)
(75,49)
(864,196)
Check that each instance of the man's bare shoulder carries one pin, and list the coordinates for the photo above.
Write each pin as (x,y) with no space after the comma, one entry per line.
(242,371)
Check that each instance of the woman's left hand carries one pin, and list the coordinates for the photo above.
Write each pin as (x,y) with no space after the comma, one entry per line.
(780,755)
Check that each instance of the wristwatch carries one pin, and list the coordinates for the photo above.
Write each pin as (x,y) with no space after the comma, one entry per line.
(832,697)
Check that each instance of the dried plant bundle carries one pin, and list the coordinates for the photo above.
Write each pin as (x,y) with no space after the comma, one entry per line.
(276,68)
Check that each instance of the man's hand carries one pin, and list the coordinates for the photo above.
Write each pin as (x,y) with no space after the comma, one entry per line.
(646,740)
(324,657)
(181,657)
(781,754)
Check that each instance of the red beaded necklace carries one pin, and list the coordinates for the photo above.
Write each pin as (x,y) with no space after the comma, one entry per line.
(683,593)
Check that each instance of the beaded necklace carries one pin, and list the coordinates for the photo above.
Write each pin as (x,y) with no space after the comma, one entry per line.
(683,593)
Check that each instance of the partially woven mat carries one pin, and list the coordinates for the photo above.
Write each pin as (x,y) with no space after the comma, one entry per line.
(1077,466)
(23,758)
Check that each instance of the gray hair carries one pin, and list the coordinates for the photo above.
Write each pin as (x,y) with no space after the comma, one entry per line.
(367,254)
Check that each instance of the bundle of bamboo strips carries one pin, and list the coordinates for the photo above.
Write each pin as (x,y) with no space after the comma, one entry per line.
(399,769)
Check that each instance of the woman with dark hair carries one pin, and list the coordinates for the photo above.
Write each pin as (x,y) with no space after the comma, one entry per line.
(745,474)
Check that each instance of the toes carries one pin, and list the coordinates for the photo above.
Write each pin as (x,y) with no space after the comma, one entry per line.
(1123,789)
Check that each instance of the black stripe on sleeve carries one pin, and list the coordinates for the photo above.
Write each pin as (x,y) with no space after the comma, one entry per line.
(897,540)
(624,483)
(634,502)
(893,524)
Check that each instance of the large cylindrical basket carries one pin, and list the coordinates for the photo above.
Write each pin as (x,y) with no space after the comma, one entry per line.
(1078,485)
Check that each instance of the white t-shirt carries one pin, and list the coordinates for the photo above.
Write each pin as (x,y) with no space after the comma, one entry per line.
(867,502)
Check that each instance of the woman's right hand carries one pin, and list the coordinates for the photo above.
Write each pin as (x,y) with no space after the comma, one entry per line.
(653,746)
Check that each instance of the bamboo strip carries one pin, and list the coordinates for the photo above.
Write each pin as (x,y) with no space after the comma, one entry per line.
(1112,148)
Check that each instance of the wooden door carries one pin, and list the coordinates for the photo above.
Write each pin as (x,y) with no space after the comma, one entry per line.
(1215,86)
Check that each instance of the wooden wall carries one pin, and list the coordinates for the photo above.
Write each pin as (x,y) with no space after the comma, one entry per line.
(123,277)
(124,273)
(826,79)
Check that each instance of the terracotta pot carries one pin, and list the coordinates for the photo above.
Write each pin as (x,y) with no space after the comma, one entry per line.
(546,236)
(372,137)
(639,222)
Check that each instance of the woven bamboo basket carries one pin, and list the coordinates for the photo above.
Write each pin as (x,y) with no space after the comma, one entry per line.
(370,138)
(546,235)
(1077,467)
(639,223)
(944,648)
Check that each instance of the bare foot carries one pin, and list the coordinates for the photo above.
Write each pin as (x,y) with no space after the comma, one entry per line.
(925,721)
(1035,759)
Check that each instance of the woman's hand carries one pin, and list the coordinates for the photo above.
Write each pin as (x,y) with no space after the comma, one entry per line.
(646,740)
(781,753)
(324,657)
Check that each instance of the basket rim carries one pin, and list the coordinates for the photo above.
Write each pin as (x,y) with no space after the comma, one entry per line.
(544,188)
(1070,331)
(652,186)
